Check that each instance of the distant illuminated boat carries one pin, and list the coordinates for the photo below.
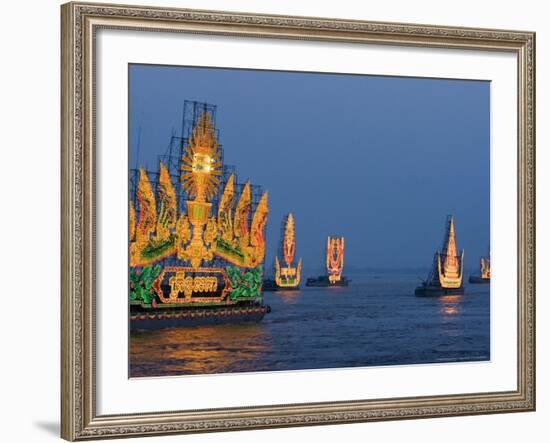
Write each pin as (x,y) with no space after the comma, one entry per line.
(287,277)
(445,277)
(335,265)
(484,272)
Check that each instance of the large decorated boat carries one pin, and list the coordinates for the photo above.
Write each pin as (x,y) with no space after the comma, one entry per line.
(334,265)
(484,271)
(445,277)
(195,256)
(287,276)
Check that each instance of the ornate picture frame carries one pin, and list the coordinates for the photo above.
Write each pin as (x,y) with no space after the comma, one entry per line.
(80,22)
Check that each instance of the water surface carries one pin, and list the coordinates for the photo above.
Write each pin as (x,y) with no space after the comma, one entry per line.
(377,320)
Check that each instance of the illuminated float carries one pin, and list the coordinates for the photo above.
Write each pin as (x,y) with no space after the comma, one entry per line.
(287,276)
(195,257)
(334,264)
(484,271)
(446,274)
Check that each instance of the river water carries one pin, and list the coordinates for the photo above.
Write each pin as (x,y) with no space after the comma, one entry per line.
(377,320)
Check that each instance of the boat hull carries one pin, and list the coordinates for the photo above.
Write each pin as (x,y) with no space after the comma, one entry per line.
(271,286)
(282,289)
(160,319)
(323,282)
(475,279)
(437,291)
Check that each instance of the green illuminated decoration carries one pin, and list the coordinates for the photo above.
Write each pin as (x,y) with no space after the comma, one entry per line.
(246,284)
(158,248)
(141,283)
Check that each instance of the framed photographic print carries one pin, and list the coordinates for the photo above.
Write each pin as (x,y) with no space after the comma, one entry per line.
(282,221)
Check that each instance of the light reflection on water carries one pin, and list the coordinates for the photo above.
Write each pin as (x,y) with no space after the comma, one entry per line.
(450,304)
(204,349)
(375,321)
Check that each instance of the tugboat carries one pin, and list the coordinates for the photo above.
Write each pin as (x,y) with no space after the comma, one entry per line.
(287,278)
(335,266)
(191,260)
(484,272)
(445,277)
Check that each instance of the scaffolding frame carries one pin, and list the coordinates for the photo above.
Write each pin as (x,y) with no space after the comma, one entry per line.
(172,159)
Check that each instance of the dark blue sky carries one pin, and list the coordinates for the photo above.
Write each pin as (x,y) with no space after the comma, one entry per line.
(379,160)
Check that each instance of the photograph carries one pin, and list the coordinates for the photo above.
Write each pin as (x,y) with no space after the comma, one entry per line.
(293,217)
(288,220)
